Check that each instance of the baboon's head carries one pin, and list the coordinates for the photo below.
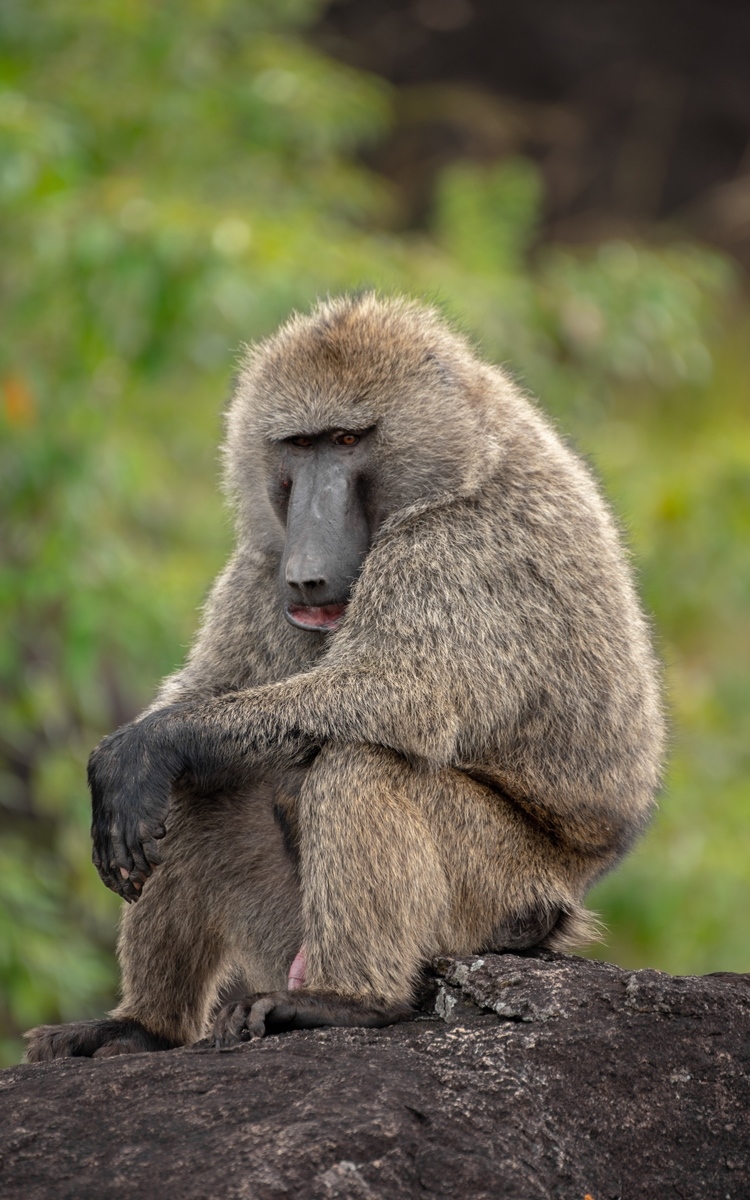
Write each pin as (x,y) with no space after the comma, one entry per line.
(343,421)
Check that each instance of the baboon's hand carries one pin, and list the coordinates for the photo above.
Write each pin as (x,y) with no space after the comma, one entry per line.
(130,776)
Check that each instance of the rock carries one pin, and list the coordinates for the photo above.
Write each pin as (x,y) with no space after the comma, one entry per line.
(542,1076)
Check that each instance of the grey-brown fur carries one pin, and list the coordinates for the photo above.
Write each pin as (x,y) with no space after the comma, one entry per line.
(488,717)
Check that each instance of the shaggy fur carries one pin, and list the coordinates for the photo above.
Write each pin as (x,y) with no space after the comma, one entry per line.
(450,770)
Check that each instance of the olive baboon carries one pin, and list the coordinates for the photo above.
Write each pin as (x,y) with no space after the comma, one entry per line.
(455,731)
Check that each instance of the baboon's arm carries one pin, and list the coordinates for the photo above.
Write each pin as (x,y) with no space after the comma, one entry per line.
(379,682)
(433,662)
(219,741)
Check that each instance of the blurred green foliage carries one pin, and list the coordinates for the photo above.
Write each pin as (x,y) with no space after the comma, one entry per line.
(175,178)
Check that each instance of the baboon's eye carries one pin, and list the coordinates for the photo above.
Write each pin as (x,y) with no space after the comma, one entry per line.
(305,442)
(346,439)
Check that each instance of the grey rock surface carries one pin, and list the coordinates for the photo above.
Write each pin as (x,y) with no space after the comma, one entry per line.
(539,1076)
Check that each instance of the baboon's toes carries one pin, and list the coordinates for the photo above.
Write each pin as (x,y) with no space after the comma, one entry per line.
(91,1039)
(280,1012)
(231,1024)
(47,1042)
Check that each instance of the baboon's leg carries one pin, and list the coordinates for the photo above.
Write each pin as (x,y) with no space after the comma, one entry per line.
(224,904)
(225,901)
(399,864)
(375,890)
(511,885)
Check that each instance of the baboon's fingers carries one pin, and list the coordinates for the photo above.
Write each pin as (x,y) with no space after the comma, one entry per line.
(142,867)
(235,1025)
(126,890)
(110,857)
(152,852)
(130,857)
(229,1025)
(256,1020)
(122,868)
(103,858)
(121,859)
(130,784)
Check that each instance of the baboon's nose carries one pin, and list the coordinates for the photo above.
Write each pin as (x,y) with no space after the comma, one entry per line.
(305,580)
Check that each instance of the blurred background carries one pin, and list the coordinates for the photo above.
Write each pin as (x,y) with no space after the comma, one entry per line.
(571,181)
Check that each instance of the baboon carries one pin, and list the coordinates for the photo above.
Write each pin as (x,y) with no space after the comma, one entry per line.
(422,715)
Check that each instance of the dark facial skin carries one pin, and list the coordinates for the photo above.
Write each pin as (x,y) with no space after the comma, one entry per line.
(323,492)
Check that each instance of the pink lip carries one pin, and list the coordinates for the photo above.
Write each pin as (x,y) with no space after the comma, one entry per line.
(322,618)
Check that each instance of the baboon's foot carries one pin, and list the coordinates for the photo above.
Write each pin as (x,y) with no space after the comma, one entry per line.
(551,926)
(91,1039)
(526,929)
(278,1012)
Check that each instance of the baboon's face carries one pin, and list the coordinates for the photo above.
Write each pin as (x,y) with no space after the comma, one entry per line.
(325,492)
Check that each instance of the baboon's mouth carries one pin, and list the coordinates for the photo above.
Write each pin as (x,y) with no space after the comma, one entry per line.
(323,618)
